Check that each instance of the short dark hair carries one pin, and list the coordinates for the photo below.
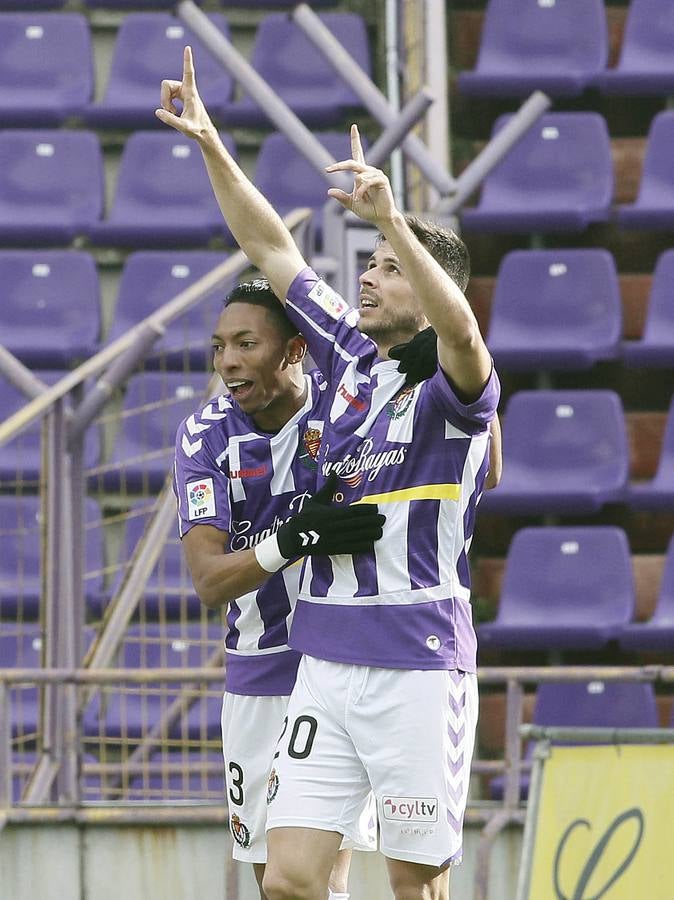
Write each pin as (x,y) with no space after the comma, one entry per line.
(258,292)
(444,245)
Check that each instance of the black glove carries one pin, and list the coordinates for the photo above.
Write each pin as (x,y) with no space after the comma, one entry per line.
(322,528)
(418,357)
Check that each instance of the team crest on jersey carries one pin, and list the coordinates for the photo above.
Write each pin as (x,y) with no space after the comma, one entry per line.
(308,451)
(201,498)
(240,832)
(398,406)
(272,786)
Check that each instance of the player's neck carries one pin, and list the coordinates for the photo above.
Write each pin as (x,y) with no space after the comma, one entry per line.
(282,409)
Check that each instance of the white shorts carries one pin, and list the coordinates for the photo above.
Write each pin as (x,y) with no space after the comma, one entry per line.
(406,734)
(250,733)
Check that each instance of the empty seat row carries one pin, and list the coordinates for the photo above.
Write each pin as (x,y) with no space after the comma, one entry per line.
(47,67)
(52,188)
(562,49)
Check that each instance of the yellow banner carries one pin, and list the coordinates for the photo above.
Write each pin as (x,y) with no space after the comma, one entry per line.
(605,825)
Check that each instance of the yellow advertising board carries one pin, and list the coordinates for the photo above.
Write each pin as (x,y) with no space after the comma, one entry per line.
(604,824)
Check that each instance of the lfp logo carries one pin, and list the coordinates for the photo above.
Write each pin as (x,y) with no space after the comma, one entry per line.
(201,499)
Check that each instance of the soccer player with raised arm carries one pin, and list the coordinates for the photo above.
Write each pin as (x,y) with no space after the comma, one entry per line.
(386,693)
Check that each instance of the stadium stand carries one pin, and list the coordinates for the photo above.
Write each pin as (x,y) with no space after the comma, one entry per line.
(46,68)
(563,452)
(151,278)
(658,493)
(657,633)
(655,348)
(57,289)
(555,309)
(645,65)
(563,588)
(51,185)
(558,177)
(149,48)
(554,47)
(284,56)
(654,206)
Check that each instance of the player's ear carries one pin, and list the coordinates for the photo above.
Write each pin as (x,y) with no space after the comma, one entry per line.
(296,349)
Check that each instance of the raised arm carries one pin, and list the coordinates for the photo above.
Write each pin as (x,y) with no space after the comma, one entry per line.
(257,228)
(462,352)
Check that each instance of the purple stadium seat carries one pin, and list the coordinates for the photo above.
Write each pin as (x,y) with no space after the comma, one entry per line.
(656,347)
(163,196)
(57,290)
(22,5)
(148,48)
(555,309)
(21,558)
(152,278)
(21,648)
(563,588)
(558,177)
(131,713)
(169,593)
(51,185)
(133,4)
(299,73)
(564,452)
(654,206)
(659,492)
(658,632)
(553,47)
(46,67)
(21,458)
(154,405)
(591,704)
(646,64)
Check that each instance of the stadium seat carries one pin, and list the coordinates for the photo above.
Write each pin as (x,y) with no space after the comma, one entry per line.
(658,632)
(558,177)
(21,558)
(658,493)
(148,48)
(555,309)
(133,4)
(300,74)
(563,452)
(22,5)
(169,593)
(656,347)
(163,196)
(301,184)
(563,588)
(51,185)
(57,290)
(654,206)
(46,68)
(149,280)
(21,458)
(589,704)
(130,713)
(646,64)
(21,648)
(553,47)
(154,405)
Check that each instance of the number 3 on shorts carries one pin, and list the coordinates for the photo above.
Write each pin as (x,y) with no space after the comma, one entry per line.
(236,784)
(302,736)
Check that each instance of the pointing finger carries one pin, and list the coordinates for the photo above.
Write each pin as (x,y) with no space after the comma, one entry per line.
(188,67)
(356,146)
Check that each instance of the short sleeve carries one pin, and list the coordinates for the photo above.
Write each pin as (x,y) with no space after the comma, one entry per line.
(200,485)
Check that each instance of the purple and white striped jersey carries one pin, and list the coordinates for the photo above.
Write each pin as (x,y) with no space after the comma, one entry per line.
(423,456)
(247,482)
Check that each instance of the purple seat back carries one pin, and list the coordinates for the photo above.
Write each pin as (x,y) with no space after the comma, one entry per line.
(21,648)
(148,48)
(555,47)
(51,185)
(646,64)
(565,576)
(46,67)
(564,451)
(597,704)
(58,290)
(555,309)
(299,73)
(656,347)
(152,278)
(654,205)
(559,176)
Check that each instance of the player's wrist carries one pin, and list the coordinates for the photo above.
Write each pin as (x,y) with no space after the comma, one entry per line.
(268,554)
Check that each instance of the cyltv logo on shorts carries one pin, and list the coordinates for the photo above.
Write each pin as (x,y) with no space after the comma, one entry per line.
(411,809)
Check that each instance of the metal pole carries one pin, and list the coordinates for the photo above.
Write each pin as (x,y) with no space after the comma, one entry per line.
(471,178)
(20,376)
(371,97)
(5,747)
(393,92)
(392,136)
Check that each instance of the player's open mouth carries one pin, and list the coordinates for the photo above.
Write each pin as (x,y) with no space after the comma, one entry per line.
(239,389)
(367,302)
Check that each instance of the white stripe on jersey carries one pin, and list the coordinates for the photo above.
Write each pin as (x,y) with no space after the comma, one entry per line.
(283,448)
(391,551)
(268,651)
(388,383)
(348,358)
(394,598)
(344,572)
(233,454)
(249,624)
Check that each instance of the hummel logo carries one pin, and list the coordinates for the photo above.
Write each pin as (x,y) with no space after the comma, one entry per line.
(311,537)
